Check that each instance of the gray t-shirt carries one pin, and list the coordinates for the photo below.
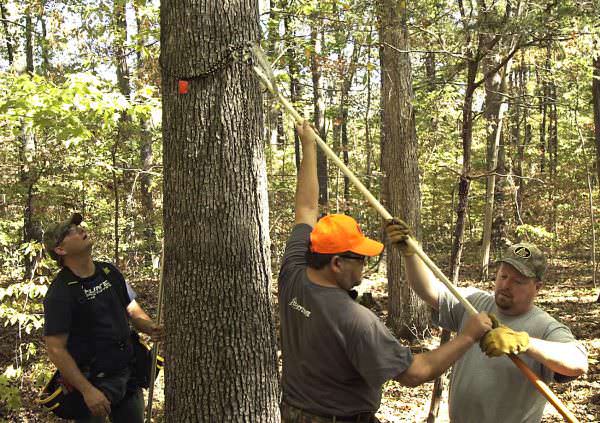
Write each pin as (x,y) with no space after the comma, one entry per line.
(491,390)
(336,353)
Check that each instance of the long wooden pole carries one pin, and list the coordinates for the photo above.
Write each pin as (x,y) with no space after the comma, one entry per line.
(264,72)
(155,346)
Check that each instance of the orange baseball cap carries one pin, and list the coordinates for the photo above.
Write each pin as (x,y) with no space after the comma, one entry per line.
(338,233)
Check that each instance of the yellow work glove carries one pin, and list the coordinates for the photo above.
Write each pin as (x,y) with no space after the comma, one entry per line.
(398,232)
(503,340)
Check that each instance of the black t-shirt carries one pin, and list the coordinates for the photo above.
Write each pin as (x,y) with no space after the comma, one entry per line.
(336,353)
(92,311)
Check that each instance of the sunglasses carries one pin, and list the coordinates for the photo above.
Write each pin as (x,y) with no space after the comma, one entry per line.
(63,234)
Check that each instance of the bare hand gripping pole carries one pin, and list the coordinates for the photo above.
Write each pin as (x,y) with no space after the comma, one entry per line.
(155,346)
(265,73)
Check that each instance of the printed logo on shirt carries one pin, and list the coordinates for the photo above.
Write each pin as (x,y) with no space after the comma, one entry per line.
(92,293)
(294,304)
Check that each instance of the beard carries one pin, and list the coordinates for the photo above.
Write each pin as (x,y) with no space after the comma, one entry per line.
(503,301)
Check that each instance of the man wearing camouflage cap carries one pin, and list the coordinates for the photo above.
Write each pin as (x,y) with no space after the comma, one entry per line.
(87,310)
(493,390)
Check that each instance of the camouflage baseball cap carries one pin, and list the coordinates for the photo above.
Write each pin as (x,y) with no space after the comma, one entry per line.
(56,232)
(527,259)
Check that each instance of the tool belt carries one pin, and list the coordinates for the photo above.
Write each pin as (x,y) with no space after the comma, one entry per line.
(66,402)
(291,414)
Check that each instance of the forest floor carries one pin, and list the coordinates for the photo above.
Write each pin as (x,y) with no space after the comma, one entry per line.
(569,296)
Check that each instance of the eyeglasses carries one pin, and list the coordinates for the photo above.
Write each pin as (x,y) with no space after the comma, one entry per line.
(363,259)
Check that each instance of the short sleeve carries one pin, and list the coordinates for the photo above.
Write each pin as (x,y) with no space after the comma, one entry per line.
(558,332)
(450,311)
(377,355)
(131,294)
(295,250)
(58,310)
(126,291)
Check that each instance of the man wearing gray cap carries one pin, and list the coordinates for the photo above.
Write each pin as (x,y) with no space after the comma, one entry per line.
(87,310)
(493,390)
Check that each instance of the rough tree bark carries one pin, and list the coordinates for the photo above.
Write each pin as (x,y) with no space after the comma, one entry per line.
(401,190)
(221,343)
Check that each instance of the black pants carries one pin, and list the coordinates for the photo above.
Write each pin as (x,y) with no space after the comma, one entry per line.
(129,410)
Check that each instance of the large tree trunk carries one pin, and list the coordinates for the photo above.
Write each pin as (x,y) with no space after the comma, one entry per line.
(221,342)
(401,190)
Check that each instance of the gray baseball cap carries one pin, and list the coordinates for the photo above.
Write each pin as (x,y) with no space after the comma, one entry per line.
(56,232)
(527,259)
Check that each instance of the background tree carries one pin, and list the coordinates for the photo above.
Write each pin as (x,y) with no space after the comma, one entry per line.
(401,189)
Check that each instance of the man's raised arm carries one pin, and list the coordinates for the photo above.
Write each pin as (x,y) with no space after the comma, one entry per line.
(307,187)
(420,278)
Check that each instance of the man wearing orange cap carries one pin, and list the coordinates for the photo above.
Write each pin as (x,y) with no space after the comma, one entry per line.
(336,353)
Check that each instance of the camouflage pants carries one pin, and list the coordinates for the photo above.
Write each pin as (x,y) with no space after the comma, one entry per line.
(290,414)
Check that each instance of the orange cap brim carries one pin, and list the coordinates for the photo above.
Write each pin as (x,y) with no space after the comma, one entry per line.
(368,247)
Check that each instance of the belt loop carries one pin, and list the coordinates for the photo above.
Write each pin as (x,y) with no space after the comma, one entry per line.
(334,419)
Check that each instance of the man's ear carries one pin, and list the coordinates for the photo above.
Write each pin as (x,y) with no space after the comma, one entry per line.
(60,251)
(334,264)
(538,285)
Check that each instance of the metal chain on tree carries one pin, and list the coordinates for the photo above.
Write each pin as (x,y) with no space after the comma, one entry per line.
(234,52)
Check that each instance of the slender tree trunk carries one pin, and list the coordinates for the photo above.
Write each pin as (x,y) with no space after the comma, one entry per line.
(122,70)
(27,174)
(544,110)
(438,385)
(494,111)
(43,40)
(464,183)
(596,101)
(293,71)
(519,141)
(9,43)
(221,336)
(319,119)
(553,160)
(347,78)
(148,212)
(29,41)
(401,189)
(368,142)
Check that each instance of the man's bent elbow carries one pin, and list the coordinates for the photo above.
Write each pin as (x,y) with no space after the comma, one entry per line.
(415,375)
